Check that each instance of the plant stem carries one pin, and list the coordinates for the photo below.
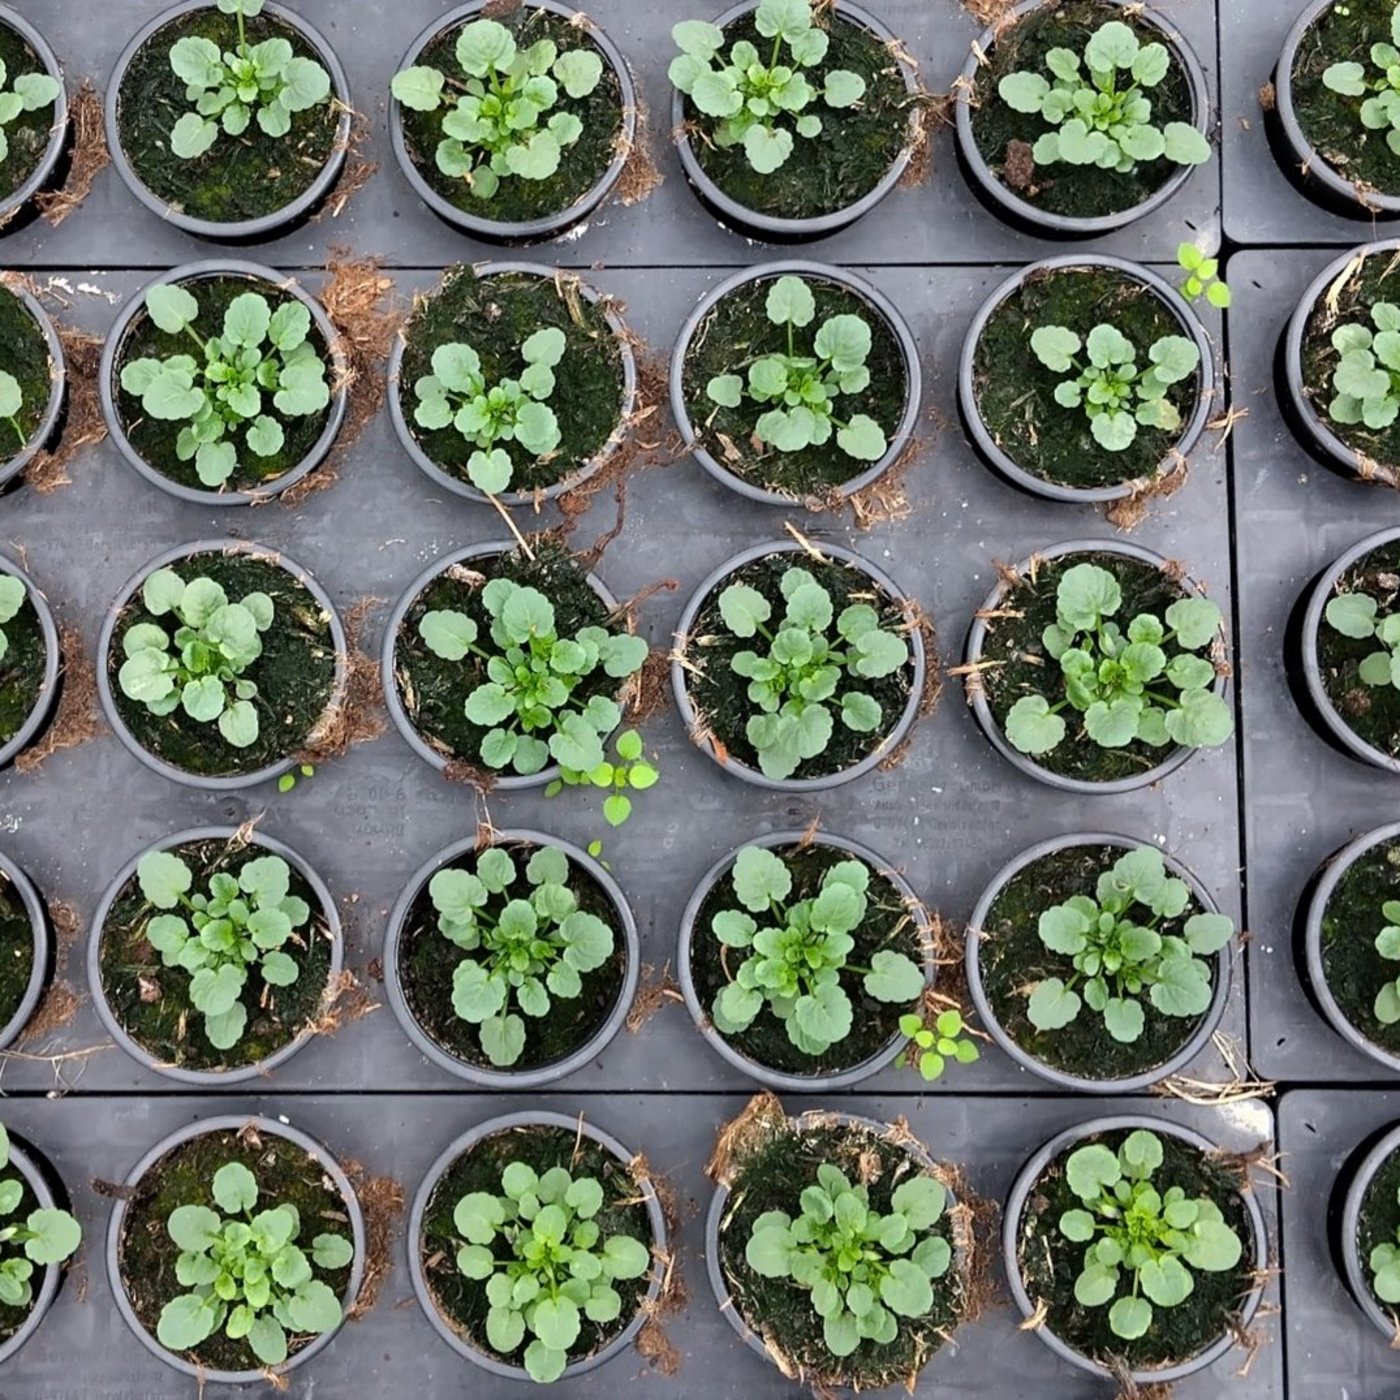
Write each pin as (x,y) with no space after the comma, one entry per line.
(19,432)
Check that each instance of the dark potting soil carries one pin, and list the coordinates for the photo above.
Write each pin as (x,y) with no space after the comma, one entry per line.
(1014,960)
(1352,918)
(427,960)
(1379,1219)
(887,924)
(720,697)
(155,439)
(772,1176)
(146,1254)
(1049,1263)
(1016,393)
(239,177)
(1003,135)
(461,1301)
(21,669)
(24,353)
(582,165)
(13,1318)
(152,1001)
(295,674)
(16,959)
(495,315)
(737,332)
(30,132)
(849,156)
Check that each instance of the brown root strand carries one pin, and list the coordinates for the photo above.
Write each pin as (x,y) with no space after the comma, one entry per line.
(84,424)
(79,717)
(89,158)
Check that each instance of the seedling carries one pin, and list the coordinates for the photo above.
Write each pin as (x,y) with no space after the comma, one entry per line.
(289,780)
(758,104)
(1385,1269)
(28,93)
(1387,1007)
(862,1270)
(1381,89)
(12,596)
(237,924)
(1132,1227)
(546,1262)
(231,87)
(628,769)
(1367,377)
(934,1045)
(47,1236)
(802,386)
(246,1274)
(224,390)
(1147,685)
(201,668)
(504,124)
(1358,615)
(1202,277)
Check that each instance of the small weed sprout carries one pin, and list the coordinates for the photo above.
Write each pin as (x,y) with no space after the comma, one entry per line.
(934,1045)
(1380,111)
(1358,616)
(1202,277)
(1367,377)
(28,93)
(46,1236)
(289,780)
(12,596)
(626,770)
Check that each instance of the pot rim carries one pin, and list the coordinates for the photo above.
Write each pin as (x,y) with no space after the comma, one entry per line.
(43,434)
(58,136)
(31,1168)
(42,707)
(40,970)
(1357,1188)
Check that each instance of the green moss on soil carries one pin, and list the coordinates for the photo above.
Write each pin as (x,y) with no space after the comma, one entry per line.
(21,669)
(24,353)
(1353,969)
(16,961)
(13,1318)
(30,132)
(1379,1218)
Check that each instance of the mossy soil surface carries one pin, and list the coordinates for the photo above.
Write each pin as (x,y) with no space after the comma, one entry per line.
(1379,1219)
(24,353)
(22,669)
(30,132)
(1351,921)
(16,959)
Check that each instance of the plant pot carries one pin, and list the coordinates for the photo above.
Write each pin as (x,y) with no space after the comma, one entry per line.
(134,333)
(453,311)
(685,669)
(978,637)
(1359,1190)
(776,227)
(998,320)
(1196,1036)
(842,1076)
(158,85)
(524,227)
(323,927)
(409,922)
(1021,1198)
(898,354)
(23,998)
(247,566)
(128,1204)
(48,1193)
(43,155)
(32,636)
(975,108)
(577,1129)
(31,341)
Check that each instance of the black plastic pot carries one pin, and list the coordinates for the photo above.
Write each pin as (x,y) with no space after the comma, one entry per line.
(110,388)
(1006,466)
(1129,1084)
(456,485)
(1350,1193)
(207,1078)
(265,1127)
(527,230)
(17,208)
(272,225)
(42,968)
(38,717)
(680,664)
(459,1147)
(50,426)
(1021,213)
(770,228)
(38,1174)
(1256,1249)
(878,302)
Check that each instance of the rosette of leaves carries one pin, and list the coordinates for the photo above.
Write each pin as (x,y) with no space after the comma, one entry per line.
(1358,615)
(800,389)
(1202,277)
(1099,110)
(1145,1235)
(755,100)
(457,395)
(237,924)
(1367,376)
(12,596)
(47,1235)
(545,1261)
(798,951)
(245,1273)
(261,354)
(933,1045)
(532,677)
(524,950)
(1380,89)
(627,769)
(807,673)
(1147,683)
(1119,954)
(229,88)
(201,668)
(1387,1005)
(1384,1261)
(1108,384)
(28,93)
(504,123)
(862,1270)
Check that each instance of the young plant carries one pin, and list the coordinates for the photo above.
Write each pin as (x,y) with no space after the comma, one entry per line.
(1202,277)
(798,953)
(862,1270)
(12,596)
(1099,111)
(12,399)
(628,769)
(236,924)
(245,1273)
(1108,385)
(1381,89)
(1387,1006)
(1153,1235)
(501,125)
(223,391)
(801,387)
(756,103)
(1367,377)
(795,685)
(1357,615)
(1147,684)
(545,1261)
(932,1046)
(1119,955)
(1385,1269)
(47,1236)
(28,93)
(201,668)
(231,87)
(525,951)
